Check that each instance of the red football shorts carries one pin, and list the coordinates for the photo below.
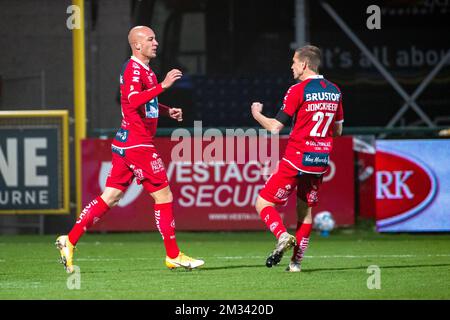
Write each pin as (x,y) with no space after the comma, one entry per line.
(142,163)
(285,179)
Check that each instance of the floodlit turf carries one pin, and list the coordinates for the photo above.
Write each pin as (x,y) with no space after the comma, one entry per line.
(130,266)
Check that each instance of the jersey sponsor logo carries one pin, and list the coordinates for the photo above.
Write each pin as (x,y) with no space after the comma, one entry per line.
(151,108)
(135,65)
(320,96)
(119,151)
(314,159)
(404,187)
(122,135)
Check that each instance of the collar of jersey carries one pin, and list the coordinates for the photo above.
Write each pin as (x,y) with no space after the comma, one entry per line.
(316,76)
(140,62)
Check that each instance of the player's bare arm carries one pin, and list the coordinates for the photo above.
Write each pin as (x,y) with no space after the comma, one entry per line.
(172,76)
(174,113)
(270,124)
(337,129)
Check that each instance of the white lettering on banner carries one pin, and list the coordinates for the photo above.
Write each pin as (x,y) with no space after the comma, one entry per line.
(32,161)
(232,172)
(224,147)
(237,184)
(251,176)
(8,163)
(28,197)
(222,196)
(187,193)
(217,200)
(186,172)
(397,179)
(246,200)
(204,194)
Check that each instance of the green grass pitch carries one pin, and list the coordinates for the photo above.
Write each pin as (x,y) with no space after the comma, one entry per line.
(130,266)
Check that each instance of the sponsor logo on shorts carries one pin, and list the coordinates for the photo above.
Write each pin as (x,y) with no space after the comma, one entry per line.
(157,165)
(313,159)
(138,174)
(313,197)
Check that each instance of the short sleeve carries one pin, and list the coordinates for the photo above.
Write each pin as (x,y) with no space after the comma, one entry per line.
(131,81)
(292,100)
(340,112)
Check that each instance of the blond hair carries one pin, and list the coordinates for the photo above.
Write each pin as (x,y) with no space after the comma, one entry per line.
(312,55)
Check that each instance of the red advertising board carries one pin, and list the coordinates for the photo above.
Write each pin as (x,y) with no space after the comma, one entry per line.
(211,194)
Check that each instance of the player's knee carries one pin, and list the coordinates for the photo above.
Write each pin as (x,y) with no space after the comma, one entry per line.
(163,196)
(168,197)
(112,199)
(261,204)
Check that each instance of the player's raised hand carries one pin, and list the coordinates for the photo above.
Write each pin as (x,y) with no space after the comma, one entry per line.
(176,113)
(172,76)
(256,107)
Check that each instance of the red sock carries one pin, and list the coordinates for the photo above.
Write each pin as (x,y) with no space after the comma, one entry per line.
(88,217)
(166,226)
(302,234)
(273,221)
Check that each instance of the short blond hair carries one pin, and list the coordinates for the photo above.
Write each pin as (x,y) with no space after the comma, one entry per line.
(312,55)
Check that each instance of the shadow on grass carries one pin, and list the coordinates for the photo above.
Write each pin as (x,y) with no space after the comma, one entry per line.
(234,267)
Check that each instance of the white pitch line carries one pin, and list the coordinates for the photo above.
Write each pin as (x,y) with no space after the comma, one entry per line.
(263,257)
(99,259)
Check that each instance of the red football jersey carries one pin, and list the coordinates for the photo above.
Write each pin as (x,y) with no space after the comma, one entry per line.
(139,120)
(315,105)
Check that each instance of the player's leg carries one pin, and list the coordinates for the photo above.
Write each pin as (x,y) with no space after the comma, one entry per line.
(276,191)
(307,197)
(302,234)
(270,216)
(118,180)
(93,212)
(165,223)
(89,216)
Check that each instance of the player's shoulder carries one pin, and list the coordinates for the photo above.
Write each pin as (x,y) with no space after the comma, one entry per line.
(296,88)
(328,82)
(131,65)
